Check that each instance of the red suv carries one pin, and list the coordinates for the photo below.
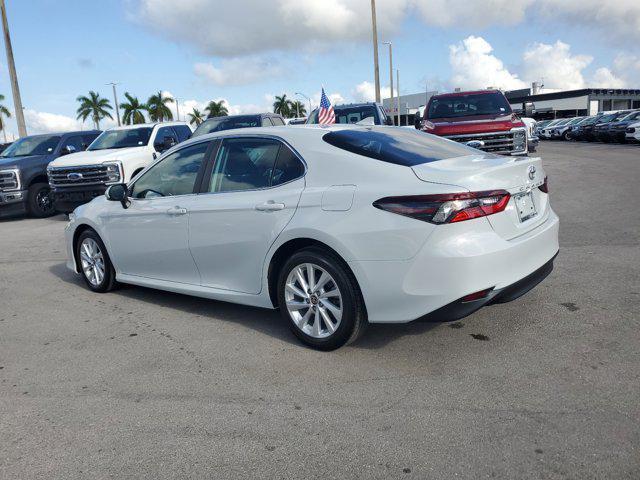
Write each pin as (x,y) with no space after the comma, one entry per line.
(481,119)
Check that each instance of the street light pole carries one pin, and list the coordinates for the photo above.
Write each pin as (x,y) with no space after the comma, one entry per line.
(391,104)
(177,108)
(115,100)
(15,89)
(376,68)
(398,97)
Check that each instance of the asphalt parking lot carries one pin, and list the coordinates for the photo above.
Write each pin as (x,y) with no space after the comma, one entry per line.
(146,384)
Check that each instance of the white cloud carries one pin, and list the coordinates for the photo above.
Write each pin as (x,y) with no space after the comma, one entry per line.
(603,77)
(556,65)
(244,27)
(238,71)
(456,13)
(44,122)
(366,92)
(474,66)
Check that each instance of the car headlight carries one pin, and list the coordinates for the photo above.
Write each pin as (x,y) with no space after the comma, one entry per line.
(114,172)
(519,138)
(10,180)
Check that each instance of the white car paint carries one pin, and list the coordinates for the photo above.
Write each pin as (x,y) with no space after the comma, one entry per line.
(132,160)
(635,135)
(222,246)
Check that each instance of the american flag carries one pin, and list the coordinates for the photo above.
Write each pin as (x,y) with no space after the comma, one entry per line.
(325,114)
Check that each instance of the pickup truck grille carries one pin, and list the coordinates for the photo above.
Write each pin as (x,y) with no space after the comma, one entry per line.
(501,142)
(9,181)
(77,176)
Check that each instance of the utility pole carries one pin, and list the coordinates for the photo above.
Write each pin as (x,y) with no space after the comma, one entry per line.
(115,100)
(305,96)
(391,104)
(376,68)
(398,89)
(17,102)
(175,99)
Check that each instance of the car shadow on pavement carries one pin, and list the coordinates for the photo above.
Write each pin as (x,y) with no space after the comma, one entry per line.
(265,321)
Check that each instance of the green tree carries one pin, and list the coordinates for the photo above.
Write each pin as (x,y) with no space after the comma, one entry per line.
(157,107)
(298,109)
(282,105)
(133,110)
(95,107)
(4,112)
(196,117)
(216,109)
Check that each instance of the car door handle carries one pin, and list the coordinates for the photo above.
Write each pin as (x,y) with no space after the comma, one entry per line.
(177,211)
(270,206)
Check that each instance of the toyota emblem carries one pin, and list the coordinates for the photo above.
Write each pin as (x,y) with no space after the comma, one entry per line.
(532,172)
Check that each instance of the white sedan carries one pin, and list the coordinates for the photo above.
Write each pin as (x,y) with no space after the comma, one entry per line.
(633,133)
(335,226)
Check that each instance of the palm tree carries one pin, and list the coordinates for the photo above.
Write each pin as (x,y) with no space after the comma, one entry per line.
(133,110)
(195,117)
(95,107)
(4,112)
(282,105)
(298,109)
(157,107)
(216,109)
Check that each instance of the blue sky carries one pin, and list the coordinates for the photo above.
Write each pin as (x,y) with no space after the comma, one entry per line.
(249,50)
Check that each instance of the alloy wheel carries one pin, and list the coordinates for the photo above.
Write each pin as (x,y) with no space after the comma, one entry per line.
(313,300)
(92,260)
(43,201)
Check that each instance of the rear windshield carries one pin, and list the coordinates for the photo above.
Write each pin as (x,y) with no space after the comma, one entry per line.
(217,124)
(346,115)
(490,103)
(404,146)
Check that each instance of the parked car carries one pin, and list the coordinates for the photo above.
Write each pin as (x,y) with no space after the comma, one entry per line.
(23,170)
(532,133)
(361,113)
(217,124)
(482,119)
(546,132)
(571,129)
(296,121)
(616,130)
(585,131)
(561,132)
(116,156)
(601,128)
(337,226)
(632,134)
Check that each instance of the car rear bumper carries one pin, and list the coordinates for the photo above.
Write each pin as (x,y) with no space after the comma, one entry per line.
(455,262)
(13,203)
(66,200)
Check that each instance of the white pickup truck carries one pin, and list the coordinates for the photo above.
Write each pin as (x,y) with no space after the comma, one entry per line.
(116,156)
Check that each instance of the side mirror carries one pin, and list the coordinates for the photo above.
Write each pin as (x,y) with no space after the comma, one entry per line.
(389,121)
(529,109)
(67,149)
(118,193)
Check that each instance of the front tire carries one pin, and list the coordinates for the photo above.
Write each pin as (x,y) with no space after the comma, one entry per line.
(320,299)
(94,262)
(39,201)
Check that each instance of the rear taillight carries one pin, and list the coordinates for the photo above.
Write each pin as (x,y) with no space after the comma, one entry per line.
(545,185)
(448,207)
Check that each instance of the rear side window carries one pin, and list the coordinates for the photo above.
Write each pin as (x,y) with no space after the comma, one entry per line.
(277,121)
(406,147)
(288,167)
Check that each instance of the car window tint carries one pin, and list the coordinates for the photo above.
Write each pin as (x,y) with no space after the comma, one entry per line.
(174,175)
(401,146)
(75,141)
(266,122)
(87,139)
(244,164)
(288,167)
(183,132)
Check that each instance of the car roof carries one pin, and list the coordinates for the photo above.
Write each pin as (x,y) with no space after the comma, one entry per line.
(148,125)
(461,94)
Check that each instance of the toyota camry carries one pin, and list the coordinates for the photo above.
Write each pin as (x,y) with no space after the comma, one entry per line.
(336,226)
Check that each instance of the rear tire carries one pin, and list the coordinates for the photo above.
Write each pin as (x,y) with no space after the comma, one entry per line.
(39,201)
(94,262)
(320,299)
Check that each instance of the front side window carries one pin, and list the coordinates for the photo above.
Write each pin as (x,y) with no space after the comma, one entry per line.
(37,145)
(244,164)
(174,175)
